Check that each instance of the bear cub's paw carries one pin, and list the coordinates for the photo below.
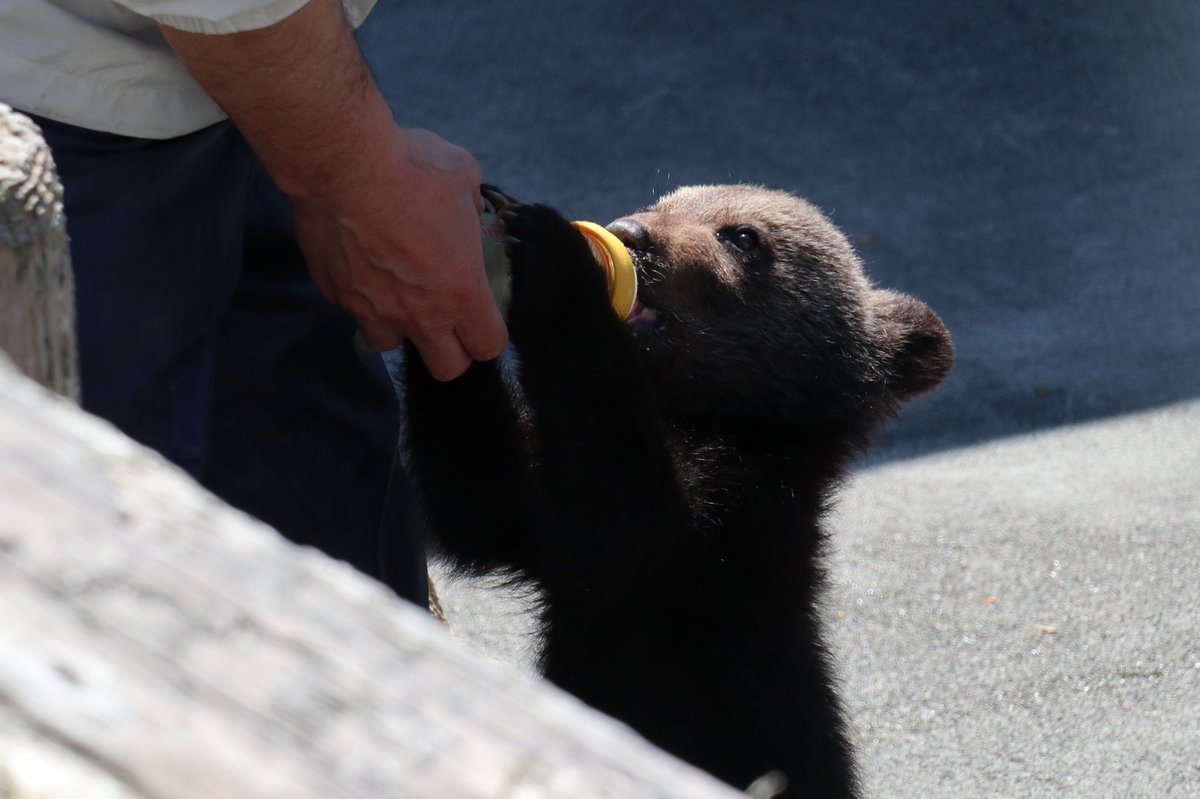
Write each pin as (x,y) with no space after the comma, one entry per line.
(555,278)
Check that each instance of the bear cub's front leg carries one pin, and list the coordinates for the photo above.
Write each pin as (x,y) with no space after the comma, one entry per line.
(610,493)
(467,457)
(560,305)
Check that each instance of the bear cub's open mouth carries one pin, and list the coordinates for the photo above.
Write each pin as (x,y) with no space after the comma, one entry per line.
(643,319)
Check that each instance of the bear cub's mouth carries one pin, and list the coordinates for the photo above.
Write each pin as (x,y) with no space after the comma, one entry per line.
(643,319)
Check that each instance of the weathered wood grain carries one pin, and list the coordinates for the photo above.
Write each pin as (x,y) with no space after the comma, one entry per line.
(37,304)
(169,646)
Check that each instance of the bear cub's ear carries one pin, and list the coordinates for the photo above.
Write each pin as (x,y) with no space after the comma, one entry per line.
(918,352)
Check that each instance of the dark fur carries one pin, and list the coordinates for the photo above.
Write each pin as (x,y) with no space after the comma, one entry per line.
(664,487)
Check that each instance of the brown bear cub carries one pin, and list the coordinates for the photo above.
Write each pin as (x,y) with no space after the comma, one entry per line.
(662,478)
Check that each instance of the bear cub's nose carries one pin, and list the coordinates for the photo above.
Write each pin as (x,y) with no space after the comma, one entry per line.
(631,234)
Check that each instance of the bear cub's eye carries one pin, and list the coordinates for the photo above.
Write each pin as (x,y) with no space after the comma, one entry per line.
(744,239)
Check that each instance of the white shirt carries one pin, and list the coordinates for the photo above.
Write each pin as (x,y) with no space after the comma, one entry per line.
(104,65)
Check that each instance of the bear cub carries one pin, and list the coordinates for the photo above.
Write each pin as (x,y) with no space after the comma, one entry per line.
(662,478)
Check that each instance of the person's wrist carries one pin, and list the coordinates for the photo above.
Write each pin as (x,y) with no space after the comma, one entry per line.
(345,158)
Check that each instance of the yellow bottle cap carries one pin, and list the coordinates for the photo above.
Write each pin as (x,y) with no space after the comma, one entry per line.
(617,263)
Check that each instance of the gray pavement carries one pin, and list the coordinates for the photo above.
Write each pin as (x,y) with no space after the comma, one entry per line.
(1011,619)
(1018,618)
(1030,170)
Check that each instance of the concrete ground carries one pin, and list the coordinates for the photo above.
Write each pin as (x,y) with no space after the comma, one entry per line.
(1017,572)
(1018,618)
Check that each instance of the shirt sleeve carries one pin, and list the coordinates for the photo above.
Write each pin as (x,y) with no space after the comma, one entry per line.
(225,16)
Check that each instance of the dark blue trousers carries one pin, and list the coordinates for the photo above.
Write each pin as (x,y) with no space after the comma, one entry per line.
(201,335)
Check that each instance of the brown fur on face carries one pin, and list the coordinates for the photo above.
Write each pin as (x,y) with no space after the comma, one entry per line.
(790,327)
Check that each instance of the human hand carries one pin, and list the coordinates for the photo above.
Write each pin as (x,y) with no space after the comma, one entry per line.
(395,240)
(388,219)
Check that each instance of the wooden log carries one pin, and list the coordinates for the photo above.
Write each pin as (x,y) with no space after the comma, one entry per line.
(156,643)
(37,304)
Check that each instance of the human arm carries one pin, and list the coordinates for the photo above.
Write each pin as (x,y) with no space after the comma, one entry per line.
(388,218)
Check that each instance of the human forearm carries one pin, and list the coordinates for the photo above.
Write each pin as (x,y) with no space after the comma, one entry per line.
(388,219)
(301,94)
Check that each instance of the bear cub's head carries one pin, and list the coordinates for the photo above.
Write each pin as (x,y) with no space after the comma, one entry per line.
(753,305)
